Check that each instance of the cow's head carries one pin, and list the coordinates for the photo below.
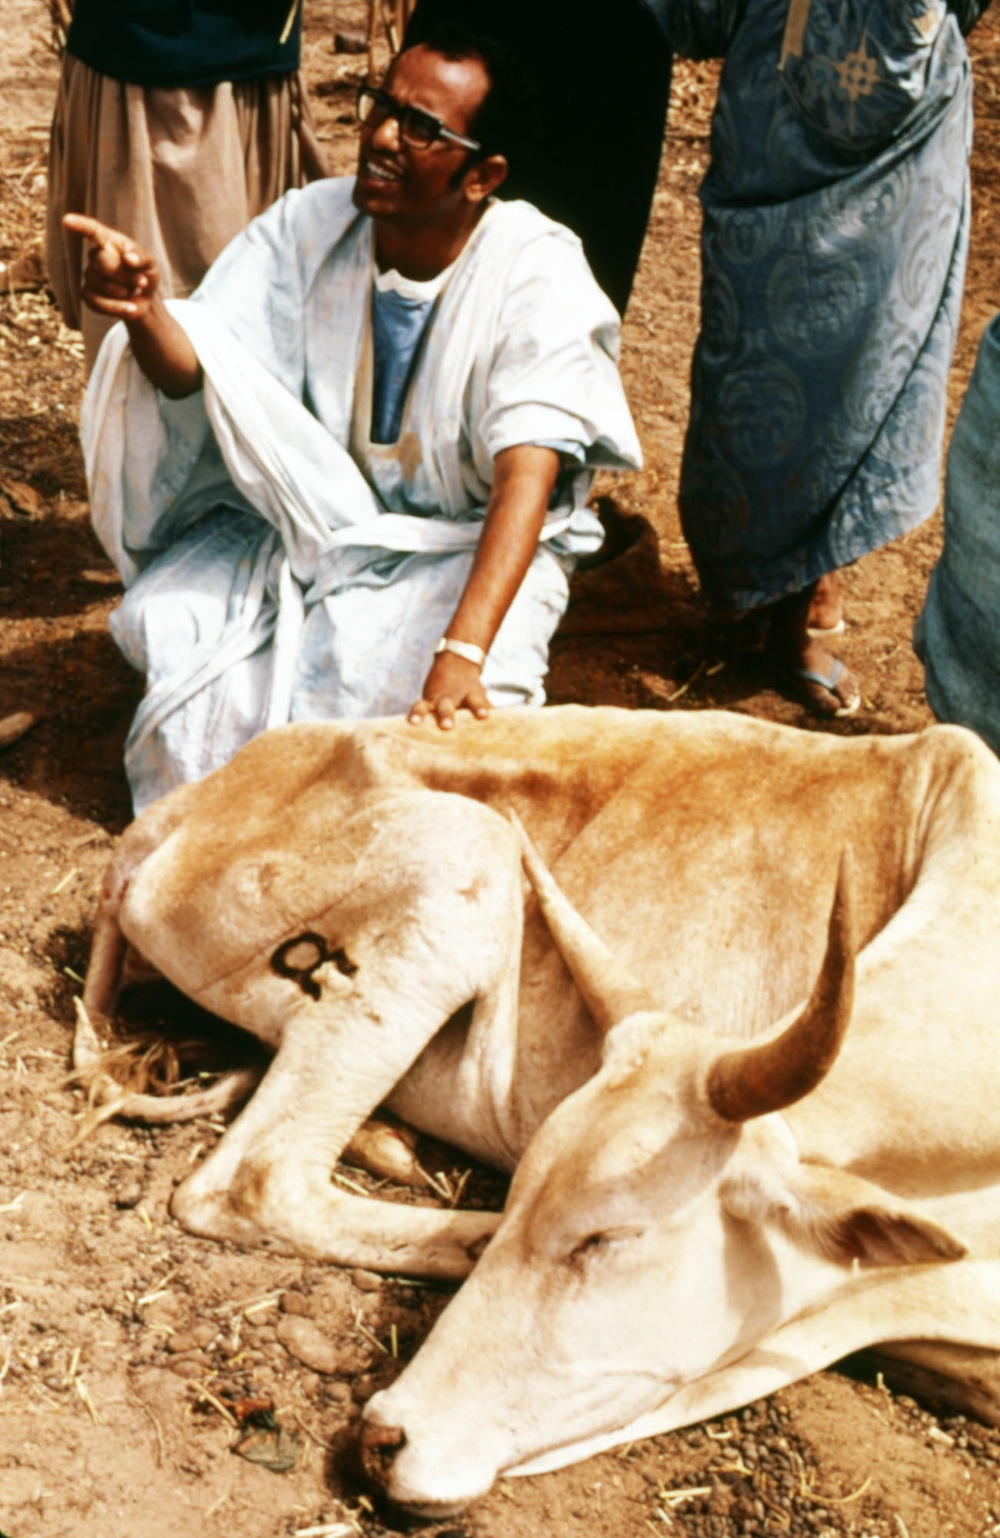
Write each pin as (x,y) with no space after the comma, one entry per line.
(659,1227)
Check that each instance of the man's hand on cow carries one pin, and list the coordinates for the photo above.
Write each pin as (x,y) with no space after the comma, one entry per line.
(523,481)
(120,279)
(452,684)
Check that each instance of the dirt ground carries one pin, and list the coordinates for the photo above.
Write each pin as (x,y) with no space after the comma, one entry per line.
(125,1344)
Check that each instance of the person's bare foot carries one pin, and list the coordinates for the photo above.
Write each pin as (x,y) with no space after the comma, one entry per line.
(826,616)
(820,680)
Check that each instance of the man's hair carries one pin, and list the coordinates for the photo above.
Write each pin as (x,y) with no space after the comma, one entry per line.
(505,121)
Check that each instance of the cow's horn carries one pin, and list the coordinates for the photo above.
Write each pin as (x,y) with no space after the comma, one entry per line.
(756,1080)
(608,992)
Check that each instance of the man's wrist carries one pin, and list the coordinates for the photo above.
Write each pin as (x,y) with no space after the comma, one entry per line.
(464,649)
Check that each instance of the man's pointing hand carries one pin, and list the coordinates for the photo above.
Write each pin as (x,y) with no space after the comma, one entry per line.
(120,279)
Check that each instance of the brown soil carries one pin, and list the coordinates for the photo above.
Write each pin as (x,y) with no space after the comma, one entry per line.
(123,1340)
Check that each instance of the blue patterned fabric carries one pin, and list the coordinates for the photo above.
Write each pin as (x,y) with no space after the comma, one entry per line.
(958,634)
(833,255)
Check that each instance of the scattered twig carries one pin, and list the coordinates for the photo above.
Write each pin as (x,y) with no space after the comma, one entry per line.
(88,1403)
(157,1290)
(203,1394)
(218,1504)
(460,1184)
(668,699)
(313,1435)
(161,1451)
(368,1334)
(845,1500)
(67,878)
(683,1493)
(271,1301)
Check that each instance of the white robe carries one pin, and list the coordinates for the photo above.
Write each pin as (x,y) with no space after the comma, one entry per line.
(280,567)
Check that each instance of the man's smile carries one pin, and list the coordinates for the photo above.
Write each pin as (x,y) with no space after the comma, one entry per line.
(380,170)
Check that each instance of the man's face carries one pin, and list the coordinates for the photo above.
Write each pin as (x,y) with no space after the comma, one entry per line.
(402,185)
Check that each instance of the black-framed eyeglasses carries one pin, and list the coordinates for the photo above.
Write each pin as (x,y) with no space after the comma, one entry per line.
(417,128)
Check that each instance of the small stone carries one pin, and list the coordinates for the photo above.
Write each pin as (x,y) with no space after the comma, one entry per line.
(184,1341)
(352,1360)
(187,1367)
(350,42)
(130,1193)
(166,1311)
(306,1342)
(338,1395)
(13,727)
(366,1281)
(295,1303)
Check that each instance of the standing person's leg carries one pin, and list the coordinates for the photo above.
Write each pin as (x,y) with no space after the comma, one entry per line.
(820,679)
(182,170)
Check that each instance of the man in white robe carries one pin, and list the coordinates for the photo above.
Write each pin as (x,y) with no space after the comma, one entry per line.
(281,563)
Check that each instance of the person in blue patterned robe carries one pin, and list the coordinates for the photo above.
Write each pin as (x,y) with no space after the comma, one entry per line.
(957,637)
(836,215)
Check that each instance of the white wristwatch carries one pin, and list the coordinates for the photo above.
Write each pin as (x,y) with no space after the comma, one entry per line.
(464,649)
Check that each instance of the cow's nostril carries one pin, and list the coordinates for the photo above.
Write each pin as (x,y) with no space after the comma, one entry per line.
(379,1446)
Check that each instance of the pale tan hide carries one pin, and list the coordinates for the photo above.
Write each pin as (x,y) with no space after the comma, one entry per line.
(690,1226)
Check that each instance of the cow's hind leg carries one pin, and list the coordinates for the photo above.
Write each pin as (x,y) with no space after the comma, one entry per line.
(109,946)
(962,1380)
(430,931)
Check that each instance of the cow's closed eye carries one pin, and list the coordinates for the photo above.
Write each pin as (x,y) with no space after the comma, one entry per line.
(597,1245)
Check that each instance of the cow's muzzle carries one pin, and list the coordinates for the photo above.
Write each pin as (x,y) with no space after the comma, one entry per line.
(378,1449)
(389,1464)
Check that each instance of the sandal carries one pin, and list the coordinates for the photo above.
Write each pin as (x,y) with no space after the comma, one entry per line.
(835,695)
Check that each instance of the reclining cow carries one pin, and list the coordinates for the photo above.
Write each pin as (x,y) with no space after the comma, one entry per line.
(694,1221)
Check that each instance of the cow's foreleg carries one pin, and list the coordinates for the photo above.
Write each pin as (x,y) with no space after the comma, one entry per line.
(270,1179)
(427,933)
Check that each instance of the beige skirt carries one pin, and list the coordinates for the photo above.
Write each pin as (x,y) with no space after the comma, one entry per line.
(180,170)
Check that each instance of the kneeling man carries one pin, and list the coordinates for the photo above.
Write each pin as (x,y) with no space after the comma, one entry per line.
(348,477)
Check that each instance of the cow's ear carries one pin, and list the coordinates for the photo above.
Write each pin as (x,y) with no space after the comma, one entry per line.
(841,1216)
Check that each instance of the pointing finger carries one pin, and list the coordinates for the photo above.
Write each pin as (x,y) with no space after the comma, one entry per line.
(107,239)
(91,229)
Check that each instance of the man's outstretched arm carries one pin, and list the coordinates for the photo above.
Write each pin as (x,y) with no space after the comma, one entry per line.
(522,486)
(123,281)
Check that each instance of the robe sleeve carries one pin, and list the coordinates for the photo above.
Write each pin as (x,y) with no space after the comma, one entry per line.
(259,286)
(553,373)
